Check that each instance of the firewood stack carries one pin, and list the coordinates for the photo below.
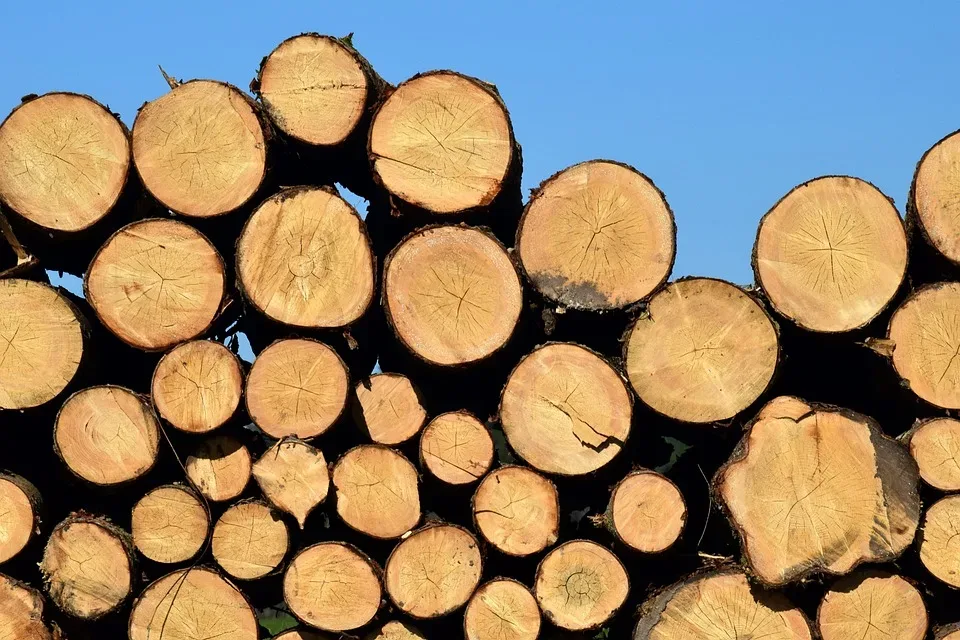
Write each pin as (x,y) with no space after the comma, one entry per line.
(460,414)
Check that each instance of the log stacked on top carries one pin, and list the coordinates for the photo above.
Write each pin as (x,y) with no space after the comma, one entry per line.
(555,421)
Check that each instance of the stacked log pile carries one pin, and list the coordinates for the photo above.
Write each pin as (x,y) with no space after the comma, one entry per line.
(464,415)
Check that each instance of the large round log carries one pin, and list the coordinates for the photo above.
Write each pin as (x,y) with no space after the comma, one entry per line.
(200,149)
(831,254)
(703,352)
(42,336)
(933,206)
(64,160)
(156,283)
(822,492)
(452,294)
(598,235)
(565,410)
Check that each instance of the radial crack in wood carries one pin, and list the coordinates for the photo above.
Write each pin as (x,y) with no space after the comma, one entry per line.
(580,585)
(304,259)
(192,604)
(107,435)
(64,160)
(197,386)
(333,587)
(200,149)
(831,254)
(456,448)
(297,388)
(819,493)
(517,511)
(719,606)
(872,606)
(250,540)
(220,468)
(388,408)
(294,477)
(41,343)
(703,352)
(646,512)
(434,571)
(598,235)
(156,283)
(88,567)
(442,141)
(502,609)
(377,491)
(452,294)
(565,410)
(169,524)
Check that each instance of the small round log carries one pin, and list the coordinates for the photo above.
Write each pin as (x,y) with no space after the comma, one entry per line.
(646,512)
(872,606)
(580,585)
(197,386)
(294,477)
(434,571)
(20,506)
(502,609)
(107,435)
(192,604)
(517,511)
(388,408)
(250,540)
(297,388)
(456,448)
(377,491)
(170,524)
(333,587)
(88,566)
(938,535)
(220,468)
(935,445)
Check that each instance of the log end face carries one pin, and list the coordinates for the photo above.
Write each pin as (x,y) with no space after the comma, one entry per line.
(377,491)
(935,196)
(457,448)
(197,386)
(294,477)
(502,608)
(169,524)
(647,512)
(517,511)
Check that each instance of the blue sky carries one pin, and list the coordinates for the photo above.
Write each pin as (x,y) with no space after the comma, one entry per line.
(725,105)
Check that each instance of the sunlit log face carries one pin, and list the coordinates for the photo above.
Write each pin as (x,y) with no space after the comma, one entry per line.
(377,491)
(872,606)
(831,254)
(936,196)
(443,142)
(502,609)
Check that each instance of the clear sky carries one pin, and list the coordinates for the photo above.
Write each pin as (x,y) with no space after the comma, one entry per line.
(726,106)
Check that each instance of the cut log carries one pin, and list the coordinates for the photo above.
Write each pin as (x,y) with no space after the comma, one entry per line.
(872,606)
(192,604)
(646,512)
(156,283)
(169,524)
(434,571)
(21,612)
(938,536)
(565,410)
(250,540)
(933,206)
(333,587)
(443,142)
(107,435)
(452,294)
(598,235)
(64,160)
(20,507)
(297,388)
(388,408)
(703,352)
(580,585)
(293,476)
(200,149)
(303,634)
(304,259)
(220,468)
(317,88)
(925,336)
(947,632)
(395,630)
(43,335)
(456,448)
(502,609)
(197,386)
(517,511)
(820,493)
(88,566)
(377,491)
(935,445)
(717,606)
(832,254)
